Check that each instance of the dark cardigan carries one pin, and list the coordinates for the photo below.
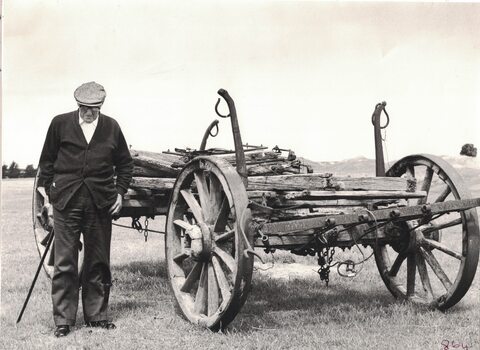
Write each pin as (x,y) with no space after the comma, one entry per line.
(67,161)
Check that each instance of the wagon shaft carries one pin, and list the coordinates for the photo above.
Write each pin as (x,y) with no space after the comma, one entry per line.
(370,217)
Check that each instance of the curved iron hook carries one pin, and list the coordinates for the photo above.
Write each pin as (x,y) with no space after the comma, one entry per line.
(382,106)
(216,133)
(218,113)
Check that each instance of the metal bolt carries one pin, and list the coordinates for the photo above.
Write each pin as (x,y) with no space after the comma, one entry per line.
(395,213)
(330,222)
(362,217)
(426,209)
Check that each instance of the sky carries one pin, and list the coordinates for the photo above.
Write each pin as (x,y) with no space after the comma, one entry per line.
(304,75)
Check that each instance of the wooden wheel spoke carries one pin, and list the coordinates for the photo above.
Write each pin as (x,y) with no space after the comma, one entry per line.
(444,194)
(180,257)
(422,271)
(225,236)
(201,298)
(443,226)
(222,218)
(213,296)
(41,192)
(436,268)
(215,195)
(193,205)
(410,171)
(203,194)
(442,247)
(221,278)
(427,182)
(226,258)
(397,264)
(183,224)
(411,273)
(192,277)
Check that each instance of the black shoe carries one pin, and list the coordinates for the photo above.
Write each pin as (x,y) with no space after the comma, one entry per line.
(101,324)
(61,331)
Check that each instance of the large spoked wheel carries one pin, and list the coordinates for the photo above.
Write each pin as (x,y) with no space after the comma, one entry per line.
(207,225)
(40,222)
(432,261)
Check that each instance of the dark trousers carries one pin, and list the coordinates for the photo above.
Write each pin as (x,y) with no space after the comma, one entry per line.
(81,216)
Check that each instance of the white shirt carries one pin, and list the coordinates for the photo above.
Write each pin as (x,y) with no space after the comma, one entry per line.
(88,128)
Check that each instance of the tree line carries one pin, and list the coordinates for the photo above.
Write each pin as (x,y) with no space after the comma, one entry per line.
(13,171)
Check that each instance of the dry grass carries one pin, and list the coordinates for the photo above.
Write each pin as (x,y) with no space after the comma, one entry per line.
(285,309)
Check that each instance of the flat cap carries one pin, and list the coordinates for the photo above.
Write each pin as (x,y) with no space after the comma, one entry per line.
(90,94)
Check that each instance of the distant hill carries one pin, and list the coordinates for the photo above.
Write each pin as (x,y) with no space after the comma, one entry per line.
(468,167)
(359,166)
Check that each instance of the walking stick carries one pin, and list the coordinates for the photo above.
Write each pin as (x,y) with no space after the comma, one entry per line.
(50,239)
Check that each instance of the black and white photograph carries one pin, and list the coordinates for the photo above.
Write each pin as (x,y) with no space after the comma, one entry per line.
(239,174)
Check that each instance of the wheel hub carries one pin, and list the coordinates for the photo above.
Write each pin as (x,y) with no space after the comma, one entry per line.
(201,241)
(399,234)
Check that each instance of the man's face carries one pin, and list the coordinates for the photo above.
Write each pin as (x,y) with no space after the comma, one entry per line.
(89,114)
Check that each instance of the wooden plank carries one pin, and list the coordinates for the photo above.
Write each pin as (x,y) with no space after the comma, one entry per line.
(288,182)
(272,169)
(146,172)
(291,214)
(155,163)
(158,184)
(400,214)
(137,193)
(329,203)
(325,181)
(261,194)
(360,194)
(369,183)
(155,155)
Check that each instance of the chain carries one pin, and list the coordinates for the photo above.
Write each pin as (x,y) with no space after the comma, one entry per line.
(325,259)
(136,225)
(145,231)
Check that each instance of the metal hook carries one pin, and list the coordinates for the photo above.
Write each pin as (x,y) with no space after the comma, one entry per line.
(216,133)
(350,270)
(248,251)
(218,113)
(382,106)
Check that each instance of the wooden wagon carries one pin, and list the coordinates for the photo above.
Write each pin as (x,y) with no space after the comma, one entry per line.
(418,217)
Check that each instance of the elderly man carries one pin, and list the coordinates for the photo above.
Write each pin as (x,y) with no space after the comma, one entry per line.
(83,152)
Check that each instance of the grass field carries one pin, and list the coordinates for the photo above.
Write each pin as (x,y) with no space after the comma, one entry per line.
(288,308)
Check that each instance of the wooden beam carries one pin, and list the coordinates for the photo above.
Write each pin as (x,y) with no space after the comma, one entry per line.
(359,194)
(159,184)
(316,182)
(152,163)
